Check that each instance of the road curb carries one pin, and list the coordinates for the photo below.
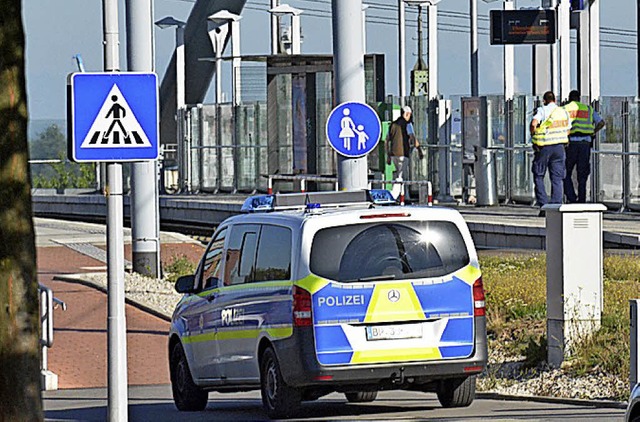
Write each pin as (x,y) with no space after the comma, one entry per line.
(609,404)
(78,278)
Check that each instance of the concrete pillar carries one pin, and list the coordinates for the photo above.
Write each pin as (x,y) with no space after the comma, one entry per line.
(574,275)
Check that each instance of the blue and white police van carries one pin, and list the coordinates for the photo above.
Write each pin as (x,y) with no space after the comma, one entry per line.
(309,294)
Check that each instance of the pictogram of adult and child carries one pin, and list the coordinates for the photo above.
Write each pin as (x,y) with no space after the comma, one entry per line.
(349,130)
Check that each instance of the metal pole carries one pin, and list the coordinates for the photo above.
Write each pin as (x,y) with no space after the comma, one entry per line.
(184,154)
(348,64)
(235,50)
(432,13)
(564,15)
(583,50)
(634,367)
(116,323)
(364,28)
(509,62)
(275,28)
(144,181)
(594,54)
(295,34)
(402,44)
(473,10)
(509,93)
(180,67)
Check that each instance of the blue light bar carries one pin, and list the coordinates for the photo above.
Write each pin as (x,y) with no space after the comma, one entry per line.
(381,197)
(258,203)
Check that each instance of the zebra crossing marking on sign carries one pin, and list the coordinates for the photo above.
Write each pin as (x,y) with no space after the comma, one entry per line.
(116,125)
(113,117)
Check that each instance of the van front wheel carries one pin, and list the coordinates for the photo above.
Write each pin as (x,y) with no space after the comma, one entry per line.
(457,392)
(279,399)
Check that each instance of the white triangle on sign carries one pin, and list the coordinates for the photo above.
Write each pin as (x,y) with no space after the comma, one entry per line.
(115,125)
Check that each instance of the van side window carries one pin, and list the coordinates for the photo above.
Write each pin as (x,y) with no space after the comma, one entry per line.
(212,261)
(241,254)
(274,254)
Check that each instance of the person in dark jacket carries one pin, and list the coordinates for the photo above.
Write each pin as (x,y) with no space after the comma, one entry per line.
(399,144)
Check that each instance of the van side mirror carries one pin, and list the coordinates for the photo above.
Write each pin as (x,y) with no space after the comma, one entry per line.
(185,284)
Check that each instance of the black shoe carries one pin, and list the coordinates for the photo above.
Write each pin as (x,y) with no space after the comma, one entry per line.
(542,213)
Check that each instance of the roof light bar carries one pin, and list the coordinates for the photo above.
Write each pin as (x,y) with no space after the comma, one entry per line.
(266,203)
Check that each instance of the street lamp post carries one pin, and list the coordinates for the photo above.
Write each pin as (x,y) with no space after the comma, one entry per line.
(221,23)
(184,151)
(295,34)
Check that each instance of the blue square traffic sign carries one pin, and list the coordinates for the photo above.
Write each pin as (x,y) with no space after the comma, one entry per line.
(114,117)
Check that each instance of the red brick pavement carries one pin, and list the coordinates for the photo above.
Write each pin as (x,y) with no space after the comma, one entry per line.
(79,352)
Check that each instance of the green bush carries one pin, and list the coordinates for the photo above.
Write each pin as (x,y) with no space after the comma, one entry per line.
(178,266)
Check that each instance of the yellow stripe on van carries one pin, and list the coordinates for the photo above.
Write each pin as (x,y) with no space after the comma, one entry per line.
(468,274)
(396,355)
(394,302)
(274,333)
(312,283)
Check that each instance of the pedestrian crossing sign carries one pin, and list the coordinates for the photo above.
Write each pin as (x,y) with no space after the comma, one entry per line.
(113,117)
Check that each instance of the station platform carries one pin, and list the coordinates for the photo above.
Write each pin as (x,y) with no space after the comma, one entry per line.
(517,227)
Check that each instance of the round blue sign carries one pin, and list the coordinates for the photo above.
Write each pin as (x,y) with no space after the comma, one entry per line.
(353,129)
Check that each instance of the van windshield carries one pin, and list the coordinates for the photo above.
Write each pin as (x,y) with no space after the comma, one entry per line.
(386,251)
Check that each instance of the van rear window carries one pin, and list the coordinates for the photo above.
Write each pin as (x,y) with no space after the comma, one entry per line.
(386,251)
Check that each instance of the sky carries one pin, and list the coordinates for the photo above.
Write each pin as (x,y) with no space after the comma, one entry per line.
(58,30)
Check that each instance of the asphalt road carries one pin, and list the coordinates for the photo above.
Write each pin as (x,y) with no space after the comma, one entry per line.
(154,403)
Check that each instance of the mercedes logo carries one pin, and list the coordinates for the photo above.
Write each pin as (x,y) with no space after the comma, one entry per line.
(393,295)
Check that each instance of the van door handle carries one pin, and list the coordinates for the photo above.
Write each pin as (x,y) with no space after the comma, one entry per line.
(211,297)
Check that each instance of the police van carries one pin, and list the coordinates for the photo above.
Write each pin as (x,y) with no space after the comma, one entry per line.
(308,294)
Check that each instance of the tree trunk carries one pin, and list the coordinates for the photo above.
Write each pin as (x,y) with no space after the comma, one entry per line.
(20,397)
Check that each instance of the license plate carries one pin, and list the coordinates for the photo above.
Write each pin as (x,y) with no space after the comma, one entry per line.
(394,332)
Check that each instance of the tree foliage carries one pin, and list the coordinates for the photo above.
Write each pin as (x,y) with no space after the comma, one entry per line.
(51,144)
(20,397)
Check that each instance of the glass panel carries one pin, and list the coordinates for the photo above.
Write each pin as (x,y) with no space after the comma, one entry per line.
(262,146)
(610,164)
(326,156)
(522,189)
(274,254)
(634,147)
(497,138)
(227,150)
(418,169)
(246,130)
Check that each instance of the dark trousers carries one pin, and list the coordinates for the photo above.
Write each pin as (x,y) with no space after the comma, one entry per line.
(553,158)
(578,155)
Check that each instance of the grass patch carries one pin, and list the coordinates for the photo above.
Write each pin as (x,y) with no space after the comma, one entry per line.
(516,312)
(178,266)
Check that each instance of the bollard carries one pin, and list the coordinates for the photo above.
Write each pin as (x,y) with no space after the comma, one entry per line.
(270,186)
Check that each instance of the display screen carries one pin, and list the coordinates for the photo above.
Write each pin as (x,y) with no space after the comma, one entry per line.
(523,27)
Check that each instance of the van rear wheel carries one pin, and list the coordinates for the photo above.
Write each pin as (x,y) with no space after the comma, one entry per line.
(361,396)
(186,395)
(457,392)
(279,399)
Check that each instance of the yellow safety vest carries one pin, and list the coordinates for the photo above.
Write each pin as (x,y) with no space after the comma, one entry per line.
(554,130)
(581,118)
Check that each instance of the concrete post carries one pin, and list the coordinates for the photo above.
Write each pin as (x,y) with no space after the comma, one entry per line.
(296,36)
(218,35)
(348,65)
(144,180)
(574,276)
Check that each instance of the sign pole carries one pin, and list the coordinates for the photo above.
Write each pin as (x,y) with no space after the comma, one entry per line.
(348,65)
(116,323)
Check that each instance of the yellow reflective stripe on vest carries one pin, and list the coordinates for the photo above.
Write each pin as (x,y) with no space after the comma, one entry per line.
(581,118)
(554,130)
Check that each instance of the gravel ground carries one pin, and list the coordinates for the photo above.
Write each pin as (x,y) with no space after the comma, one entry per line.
(504,374)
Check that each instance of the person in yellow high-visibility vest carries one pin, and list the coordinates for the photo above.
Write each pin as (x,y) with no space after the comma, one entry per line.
(585,123)
(549,133)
